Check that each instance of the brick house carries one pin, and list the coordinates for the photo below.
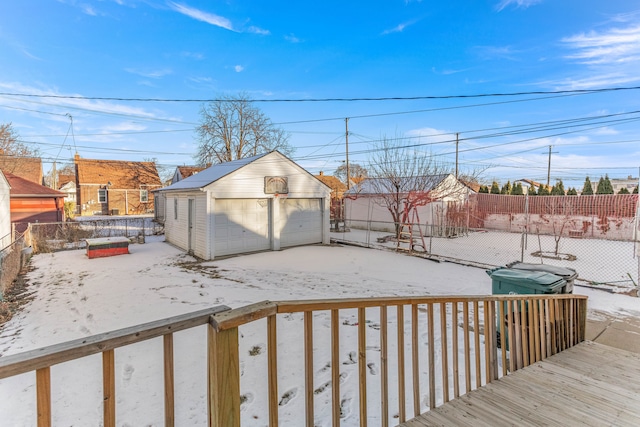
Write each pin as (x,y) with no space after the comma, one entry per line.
(337,194)
(115,187)
(29,168)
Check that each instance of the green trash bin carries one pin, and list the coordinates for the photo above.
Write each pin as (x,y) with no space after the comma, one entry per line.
(568,274)
(507,281)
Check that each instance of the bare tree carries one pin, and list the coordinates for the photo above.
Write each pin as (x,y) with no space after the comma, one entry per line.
(165,172)
(233,128)
(12,151)
(403,179)
(62,173)
(357,172)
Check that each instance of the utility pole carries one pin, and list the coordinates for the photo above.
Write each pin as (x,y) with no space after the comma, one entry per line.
(457,142)
(346,136)
(54,176)
(549,168)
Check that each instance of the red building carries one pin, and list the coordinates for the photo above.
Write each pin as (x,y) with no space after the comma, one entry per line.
(30,202)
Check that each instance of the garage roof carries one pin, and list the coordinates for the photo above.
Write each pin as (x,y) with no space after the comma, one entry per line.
(21,187)
(211,174)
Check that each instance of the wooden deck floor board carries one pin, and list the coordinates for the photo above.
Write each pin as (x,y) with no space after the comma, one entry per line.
(589,384)
(601,367)
(577,407)
(481,412)
(583,390)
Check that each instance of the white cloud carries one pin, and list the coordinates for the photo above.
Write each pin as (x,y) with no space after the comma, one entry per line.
(593,80)
(201,79)
(448,72)
(122,127)
(62,104)
(523,4)
(490,52)
(30,55)
(257,30)
(616,45)
(192,55)
(626,17)
(199,15)
(609,57)
(86,8)
(151,74)
(606,131)
(89,10)
(238,68)
(292,39)
(398,28)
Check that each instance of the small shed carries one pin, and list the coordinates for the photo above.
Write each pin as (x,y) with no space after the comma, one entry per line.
(32,202)
(264,202)
(366,203)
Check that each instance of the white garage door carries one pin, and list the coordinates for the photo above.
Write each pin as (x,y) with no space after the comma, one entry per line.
(300,222)
(241,225)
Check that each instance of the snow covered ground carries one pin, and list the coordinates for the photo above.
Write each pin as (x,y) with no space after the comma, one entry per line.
(77,297)
(605,262)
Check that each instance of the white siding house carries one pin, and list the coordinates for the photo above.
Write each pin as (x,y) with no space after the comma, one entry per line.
(5,213)
(365,207)
(265,202)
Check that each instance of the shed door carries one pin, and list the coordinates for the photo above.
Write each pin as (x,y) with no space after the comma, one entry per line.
(301,222)
(190,224)
(241,225)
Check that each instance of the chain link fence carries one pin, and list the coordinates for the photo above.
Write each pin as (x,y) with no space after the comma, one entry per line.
(56,236)
(598,236)
(12,259)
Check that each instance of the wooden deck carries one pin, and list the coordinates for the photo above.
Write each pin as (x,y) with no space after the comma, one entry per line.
(589,384)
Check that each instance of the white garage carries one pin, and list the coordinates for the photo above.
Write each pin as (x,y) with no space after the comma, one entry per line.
(301,222)
(242,225)
(266,202)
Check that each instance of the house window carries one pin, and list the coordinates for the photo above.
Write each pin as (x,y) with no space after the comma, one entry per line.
(175,208)
(144,196)
(102,195)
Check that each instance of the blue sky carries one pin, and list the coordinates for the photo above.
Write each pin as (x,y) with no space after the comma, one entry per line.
(195,50)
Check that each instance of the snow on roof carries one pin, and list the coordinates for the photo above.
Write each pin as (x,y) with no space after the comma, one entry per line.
(211,174)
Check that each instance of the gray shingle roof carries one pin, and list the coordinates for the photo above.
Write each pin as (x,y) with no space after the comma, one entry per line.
(211,174)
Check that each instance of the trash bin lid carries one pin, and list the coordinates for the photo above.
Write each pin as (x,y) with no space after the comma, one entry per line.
(530,279)
(564,272)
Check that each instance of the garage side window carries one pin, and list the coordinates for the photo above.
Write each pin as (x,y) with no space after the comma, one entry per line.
(175,208)
(102,195)
(144,196)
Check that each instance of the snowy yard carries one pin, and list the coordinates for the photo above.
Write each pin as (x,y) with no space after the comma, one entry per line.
(608,262)
(77,297)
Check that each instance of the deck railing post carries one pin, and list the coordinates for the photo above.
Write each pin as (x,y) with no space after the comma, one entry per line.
(582,318)
(109,388)
(223,370)
(169,403)
(43,399)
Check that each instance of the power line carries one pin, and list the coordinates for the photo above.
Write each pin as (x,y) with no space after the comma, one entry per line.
(391,98)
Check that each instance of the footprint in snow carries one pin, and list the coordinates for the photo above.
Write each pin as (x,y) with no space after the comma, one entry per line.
(286,398)
(353,358)
(373,369)
(127,372)
(246,399)
(345,408)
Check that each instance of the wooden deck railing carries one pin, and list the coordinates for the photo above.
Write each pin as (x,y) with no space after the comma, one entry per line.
(447,328)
